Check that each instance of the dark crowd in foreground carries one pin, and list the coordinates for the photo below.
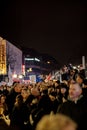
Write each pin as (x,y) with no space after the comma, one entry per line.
(30,106)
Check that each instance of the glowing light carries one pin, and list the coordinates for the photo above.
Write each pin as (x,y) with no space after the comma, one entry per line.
(74,67)
(48,62)
(29,59)
(78,66)
(3,68)
(36,59)
(14,75)
(23,69)
(20,76)
(30,70)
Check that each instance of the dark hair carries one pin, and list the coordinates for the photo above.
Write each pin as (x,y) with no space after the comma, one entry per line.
(53,94)
(63,85)
(79,75)
(58,81)
(20,99)
(2,95)
(45,91)
(85,82)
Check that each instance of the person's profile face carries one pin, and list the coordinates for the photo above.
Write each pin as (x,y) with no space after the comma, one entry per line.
(74,91)
(79,80)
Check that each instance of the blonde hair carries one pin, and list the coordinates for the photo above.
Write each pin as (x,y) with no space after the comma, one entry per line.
(55,122)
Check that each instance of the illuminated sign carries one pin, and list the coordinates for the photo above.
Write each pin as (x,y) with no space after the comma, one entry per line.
(3,69)
(23,69)
(30,59)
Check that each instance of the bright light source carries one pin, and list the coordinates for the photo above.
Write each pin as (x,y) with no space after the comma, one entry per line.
(36,59)
(78,66)
(74,67)
(48,62)
(20,76)
(14,75)
(29,70)
(29,59)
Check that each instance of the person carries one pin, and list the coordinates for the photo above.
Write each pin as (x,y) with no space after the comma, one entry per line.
(3,105)
(79,79)
(4,109)
(56,122)
(63,92)
(19,114)
(76,106)
(10,100)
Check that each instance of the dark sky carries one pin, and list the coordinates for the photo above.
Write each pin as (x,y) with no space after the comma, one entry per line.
(56,28)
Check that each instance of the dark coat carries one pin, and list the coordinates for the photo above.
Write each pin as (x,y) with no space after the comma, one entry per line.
(76,111)
(10,100)
(19,115)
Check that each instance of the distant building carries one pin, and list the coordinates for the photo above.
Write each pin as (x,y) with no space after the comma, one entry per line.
(11,56)
(14,58)
(36,63)
(24,61)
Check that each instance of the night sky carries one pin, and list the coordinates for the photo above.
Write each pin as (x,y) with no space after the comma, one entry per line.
(56,28)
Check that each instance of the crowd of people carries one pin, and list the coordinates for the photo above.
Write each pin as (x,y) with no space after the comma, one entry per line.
(45,105)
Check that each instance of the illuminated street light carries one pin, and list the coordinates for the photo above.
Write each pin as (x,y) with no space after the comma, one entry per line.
(20,76)
(48,62)
(14,75)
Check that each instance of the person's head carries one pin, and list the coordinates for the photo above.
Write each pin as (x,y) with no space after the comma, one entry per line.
(56,122)
(19,100)
(63,88)
(17,87)
(75,91)
(72,72)
(79,78)
(25,93)
(2,99)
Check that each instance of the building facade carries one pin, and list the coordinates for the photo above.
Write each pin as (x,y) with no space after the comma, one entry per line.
(36,63)
(11,56)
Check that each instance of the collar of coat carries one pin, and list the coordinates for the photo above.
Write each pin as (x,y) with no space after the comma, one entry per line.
(75,101)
